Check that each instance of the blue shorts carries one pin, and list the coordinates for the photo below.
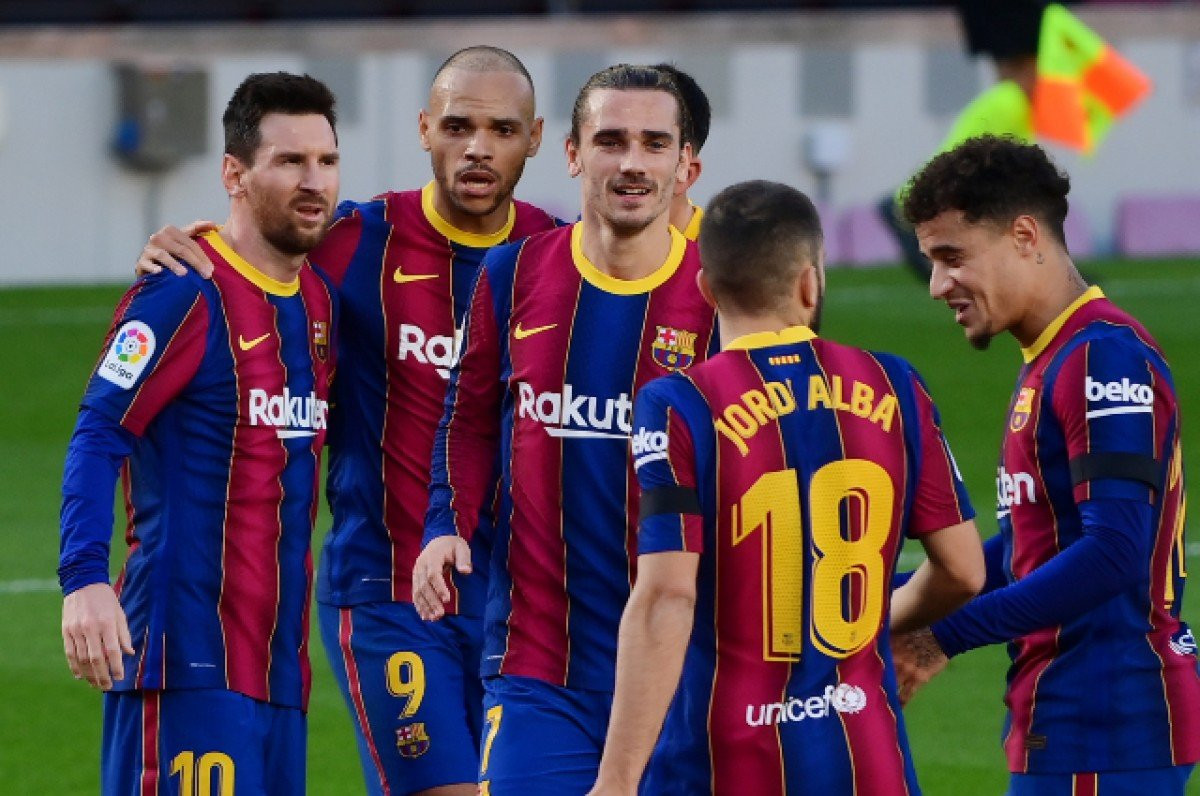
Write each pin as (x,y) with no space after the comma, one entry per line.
(541,739)
(172,741)
(1168,781)
(413,690)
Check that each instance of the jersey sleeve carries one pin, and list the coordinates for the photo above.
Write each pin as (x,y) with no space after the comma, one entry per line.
(941,497)
(665,462)
(468,437)
(153,349)
(1109,398)
(337,249)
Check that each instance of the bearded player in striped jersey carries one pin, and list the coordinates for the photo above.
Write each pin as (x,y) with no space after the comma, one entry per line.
(1085,579)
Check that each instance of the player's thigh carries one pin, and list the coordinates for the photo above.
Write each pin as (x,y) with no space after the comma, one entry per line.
(1169,781)
(539,739)
(198,742)
(413,690)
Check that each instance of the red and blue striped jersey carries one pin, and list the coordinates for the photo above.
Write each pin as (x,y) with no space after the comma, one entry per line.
(225,385)
(795,467)
(1094,415)
(404,275)
(554,351)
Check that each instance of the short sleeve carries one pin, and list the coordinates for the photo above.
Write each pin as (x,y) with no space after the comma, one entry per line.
(941,497)
(664,460)
(153,349)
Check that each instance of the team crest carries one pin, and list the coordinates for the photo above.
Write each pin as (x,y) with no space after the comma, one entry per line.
(320,339)
(674,349)
(412,740)
(1022,409)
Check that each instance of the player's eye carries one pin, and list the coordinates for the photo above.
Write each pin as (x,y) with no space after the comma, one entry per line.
(506,130)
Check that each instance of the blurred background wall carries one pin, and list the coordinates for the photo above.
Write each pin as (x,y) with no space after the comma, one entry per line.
(874,90)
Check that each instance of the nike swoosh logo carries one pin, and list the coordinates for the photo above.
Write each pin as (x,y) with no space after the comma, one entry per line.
(246,345)
(521,334)
(403,278)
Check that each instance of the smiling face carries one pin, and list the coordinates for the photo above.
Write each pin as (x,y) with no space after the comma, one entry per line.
(291,186)
(984,274)
(479,130)
(629,157)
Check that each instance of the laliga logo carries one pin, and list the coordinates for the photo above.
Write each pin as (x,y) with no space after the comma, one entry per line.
(565,414)
(648,446)
(1136,397)
(439,350)
(843,698)
(290,415)
(132,347)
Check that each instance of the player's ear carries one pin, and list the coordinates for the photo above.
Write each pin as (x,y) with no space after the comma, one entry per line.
(1026,234)
(808,286)
(535,137)
(693,172)
(233,172)
(423,129)
(683,168)
(574,167)
(705,289)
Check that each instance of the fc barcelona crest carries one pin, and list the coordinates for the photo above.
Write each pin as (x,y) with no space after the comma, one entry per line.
(674,349)
(412,740)
(1022,409)
(320,339)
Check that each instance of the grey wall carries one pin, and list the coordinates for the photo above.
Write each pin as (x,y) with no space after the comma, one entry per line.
(890,82)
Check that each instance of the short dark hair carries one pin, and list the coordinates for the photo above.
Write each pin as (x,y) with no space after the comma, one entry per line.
(753,238)
(696,102)
(991,179)
(271,92)
(484,58)
(624,77)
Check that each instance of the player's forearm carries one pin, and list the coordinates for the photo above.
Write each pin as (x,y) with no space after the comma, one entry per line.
(653,641)
(953,573)
(1111,557)
(93,462)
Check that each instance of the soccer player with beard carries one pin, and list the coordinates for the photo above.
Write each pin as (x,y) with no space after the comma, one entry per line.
(562,330)
(202,647)
(404,264)
(1085,579)
(779,479)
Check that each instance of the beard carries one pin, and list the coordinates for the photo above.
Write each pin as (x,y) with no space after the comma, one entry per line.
(280,228)
(980,341)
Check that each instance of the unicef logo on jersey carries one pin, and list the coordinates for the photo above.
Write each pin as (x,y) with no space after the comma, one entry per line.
(842,698)
(133,346)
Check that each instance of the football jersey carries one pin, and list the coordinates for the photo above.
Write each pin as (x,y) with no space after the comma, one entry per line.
(555,350)
(795,467)
(404,275)
(1095,415)
(225,383)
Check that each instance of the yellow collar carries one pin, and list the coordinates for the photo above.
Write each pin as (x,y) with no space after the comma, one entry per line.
(1039,345)
(456,235)
(692,231)
(792,334)
(627,287)
(255,276)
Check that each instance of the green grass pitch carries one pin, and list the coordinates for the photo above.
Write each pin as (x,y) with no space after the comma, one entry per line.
(49,733)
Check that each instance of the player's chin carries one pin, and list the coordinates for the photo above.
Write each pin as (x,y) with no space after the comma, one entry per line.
(979,339)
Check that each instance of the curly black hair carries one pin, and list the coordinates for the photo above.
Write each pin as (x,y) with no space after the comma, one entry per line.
(991,179)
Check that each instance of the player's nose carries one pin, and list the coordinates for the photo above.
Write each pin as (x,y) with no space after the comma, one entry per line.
(940,282)
(479,146)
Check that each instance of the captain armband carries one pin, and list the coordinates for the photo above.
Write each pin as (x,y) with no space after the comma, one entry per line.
(1130,466)
(669,500)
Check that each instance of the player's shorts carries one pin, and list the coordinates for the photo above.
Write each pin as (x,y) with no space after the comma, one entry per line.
(202,740)
(413,690)
(540,739)
(1169,781)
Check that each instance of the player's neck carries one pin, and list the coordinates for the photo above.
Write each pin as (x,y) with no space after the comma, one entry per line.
(247,240)
(1051,297)
(733,325)
(488,224)
(626,256)
(682,211)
